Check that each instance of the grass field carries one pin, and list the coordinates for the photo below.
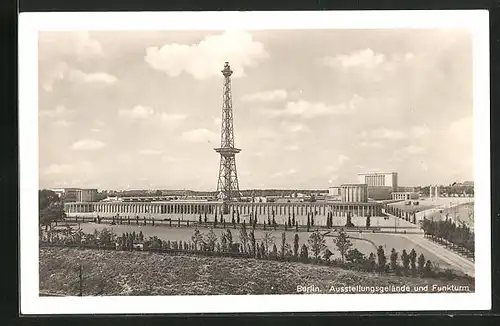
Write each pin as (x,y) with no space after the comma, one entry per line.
(142,273)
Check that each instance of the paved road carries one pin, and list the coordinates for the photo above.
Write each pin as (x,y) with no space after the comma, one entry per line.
(458,262)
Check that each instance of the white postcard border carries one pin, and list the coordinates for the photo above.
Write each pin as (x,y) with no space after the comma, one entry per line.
(29,25)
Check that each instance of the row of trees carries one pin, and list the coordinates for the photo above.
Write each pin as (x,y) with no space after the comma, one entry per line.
(314,250)
(449,234)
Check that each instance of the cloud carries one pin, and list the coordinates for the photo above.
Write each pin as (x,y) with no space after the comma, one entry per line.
(268,96)
(206,58)
(137,112)
(149,152)
(102,78)
(282,174)
(364,59)
(295,127)
(62,123)
(200,135)
(341,159)
(173,118)
(63,72)
(68,169)
(371,144)
(169,159)
(218,121)
(292,148)
(69,43)
(387,134)
(310,110)
(58,169)
(419,131)
(390,134)
(413,150)
(462,126)
(58,111)
(88,145)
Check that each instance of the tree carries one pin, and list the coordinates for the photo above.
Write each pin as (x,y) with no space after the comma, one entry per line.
(327,254)
(421,263)
(263,250)
(283,244)
(105,237)
(355,256)
(274,252)
(381,259)
(141,236)
(405,259)
(428,268)
(244,238)
(343,244)
(296,245)
(304,254)
(199,219)
(267,241)
(229,239)
(368,222)
(394,259)
(413,261)
(312,219)
(371,262)
(196,238)
(308,222)
(223,241)
(252,243)
(50,207)
(349,223)
(317,243)
(238,216)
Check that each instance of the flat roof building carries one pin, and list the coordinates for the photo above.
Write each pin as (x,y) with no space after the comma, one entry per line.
(405,195)
(379,179)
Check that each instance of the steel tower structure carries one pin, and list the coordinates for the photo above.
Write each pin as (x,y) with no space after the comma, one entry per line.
(227,185)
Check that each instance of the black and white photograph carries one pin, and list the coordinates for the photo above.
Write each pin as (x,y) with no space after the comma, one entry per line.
(255,162)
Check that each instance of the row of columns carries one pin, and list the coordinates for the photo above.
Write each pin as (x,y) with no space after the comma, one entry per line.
(267,209)
(354,193)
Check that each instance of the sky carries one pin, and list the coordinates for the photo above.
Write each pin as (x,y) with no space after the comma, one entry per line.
(312,108)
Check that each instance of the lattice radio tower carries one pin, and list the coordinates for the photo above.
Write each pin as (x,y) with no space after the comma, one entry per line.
(227,185)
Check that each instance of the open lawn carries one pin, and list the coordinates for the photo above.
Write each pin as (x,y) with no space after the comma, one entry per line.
(142,273)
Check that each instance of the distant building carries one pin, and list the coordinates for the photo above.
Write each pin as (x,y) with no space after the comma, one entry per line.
(379,193)
(354,193)
(334,193)
(76,194)
(87,195)
(405,195)
(379,179)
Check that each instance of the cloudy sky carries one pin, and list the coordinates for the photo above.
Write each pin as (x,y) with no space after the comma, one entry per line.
(312,108)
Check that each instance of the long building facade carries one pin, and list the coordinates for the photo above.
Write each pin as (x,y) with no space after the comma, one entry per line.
(192,210)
